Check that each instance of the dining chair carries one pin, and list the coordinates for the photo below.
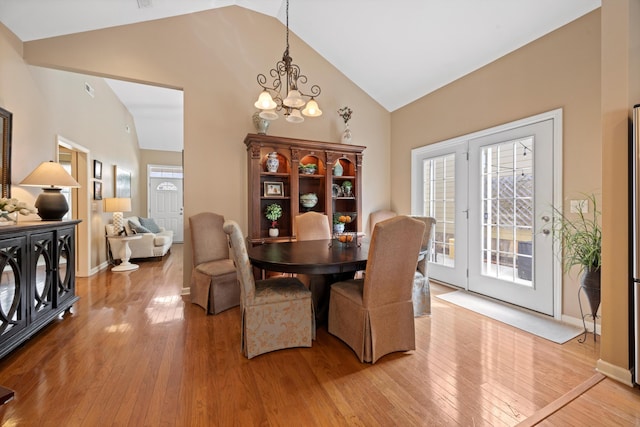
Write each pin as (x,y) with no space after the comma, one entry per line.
(374,315)
(312,226)
(421,287)
(315,226)
(377,216)
(276,313)
(214,286)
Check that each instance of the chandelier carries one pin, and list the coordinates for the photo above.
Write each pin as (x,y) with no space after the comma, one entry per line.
(286,79)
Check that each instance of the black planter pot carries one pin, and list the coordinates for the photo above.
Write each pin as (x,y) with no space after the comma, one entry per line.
(590,283)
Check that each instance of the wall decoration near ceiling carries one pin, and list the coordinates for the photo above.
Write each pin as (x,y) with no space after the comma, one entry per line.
(123,182)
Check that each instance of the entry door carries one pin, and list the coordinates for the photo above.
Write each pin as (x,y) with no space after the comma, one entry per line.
(510,199)
(165,205)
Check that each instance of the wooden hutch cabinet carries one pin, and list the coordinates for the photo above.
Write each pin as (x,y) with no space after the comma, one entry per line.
(285,185)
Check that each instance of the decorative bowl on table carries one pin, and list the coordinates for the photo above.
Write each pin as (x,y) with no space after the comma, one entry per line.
(309,200)
(346,239)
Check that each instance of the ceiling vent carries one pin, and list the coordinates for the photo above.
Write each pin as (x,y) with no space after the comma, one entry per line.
(89,90)
(144,3)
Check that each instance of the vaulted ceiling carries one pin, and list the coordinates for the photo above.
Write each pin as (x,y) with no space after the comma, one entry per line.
(397,51)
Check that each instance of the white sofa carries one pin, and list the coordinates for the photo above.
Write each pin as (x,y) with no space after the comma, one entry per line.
(150,245)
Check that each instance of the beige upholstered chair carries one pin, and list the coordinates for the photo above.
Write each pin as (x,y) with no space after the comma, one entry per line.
(374,315)
(276,313)
(312,226)
(377,216)
(315,226)
(214,285)
(421,288)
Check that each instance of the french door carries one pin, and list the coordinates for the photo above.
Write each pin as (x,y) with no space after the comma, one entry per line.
(492,194)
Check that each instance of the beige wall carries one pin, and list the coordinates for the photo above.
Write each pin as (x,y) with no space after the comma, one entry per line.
(214,57)
(560,70)
(620,90)
(48,103)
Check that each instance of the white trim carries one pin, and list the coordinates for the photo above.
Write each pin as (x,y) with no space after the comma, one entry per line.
(417,154)
(615,372)
(82,269)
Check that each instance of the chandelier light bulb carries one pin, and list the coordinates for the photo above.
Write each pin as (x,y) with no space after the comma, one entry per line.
(293,99)
(268,114)
(312,109)
(283,79)
(265,102)
(295,116)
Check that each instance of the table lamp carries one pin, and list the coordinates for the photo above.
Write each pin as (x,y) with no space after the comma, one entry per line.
(51,176)
(117,205)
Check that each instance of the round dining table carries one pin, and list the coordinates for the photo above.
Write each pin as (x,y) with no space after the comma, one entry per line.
(332,259)
(326,257)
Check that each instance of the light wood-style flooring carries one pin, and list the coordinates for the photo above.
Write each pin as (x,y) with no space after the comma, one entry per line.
(134,352)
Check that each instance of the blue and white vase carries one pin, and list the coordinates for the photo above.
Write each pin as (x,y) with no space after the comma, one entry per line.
(273,162)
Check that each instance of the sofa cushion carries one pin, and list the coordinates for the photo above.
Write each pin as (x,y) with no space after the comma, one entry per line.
(138,228)
(149,224)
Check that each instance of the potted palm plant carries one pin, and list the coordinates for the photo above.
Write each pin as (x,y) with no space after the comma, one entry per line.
(580,242)
(273,212)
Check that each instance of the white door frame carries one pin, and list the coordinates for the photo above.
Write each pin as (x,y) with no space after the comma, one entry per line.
(83,234)
(556,116)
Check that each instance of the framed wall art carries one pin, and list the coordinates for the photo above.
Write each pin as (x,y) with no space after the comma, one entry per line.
(97,169)
(97,190)
(5,152)
(123,182)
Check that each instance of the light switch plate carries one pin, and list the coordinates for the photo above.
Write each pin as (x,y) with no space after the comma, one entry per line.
(579,205)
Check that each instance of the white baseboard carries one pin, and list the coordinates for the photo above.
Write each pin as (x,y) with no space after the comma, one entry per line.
(615,372)
(185,291)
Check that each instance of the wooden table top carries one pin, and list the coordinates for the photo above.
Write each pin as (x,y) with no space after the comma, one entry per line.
(310,257)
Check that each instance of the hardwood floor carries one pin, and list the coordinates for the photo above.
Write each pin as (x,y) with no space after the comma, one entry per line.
(135,352)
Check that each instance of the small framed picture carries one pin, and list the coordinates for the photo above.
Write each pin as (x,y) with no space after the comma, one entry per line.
(273,189)
(97,190)
(97,169)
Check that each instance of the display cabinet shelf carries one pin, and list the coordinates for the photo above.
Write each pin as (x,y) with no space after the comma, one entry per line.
(290,181)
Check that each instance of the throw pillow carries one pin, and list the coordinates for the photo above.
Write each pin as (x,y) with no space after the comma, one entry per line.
(138,228)
(150,224)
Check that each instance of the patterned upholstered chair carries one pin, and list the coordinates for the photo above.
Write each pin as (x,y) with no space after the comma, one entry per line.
(276,313)
(421,288)
(374,315)
(214,285)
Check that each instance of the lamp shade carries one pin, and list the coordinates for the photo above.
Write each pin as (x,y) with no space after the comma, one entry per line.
(312,109)
(50,174)
(295,116)
(51,203)
(117,204)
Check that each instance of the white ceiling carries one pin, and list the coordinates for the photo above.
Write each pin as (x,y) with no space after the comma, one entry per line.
(396,51)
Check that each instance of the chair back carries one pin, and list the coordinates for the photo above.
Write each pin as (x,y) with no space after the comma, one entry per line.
(241,260)
(392,261)
(378,216)
(312,226)
(426,238)
(208,241)
(423,259)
